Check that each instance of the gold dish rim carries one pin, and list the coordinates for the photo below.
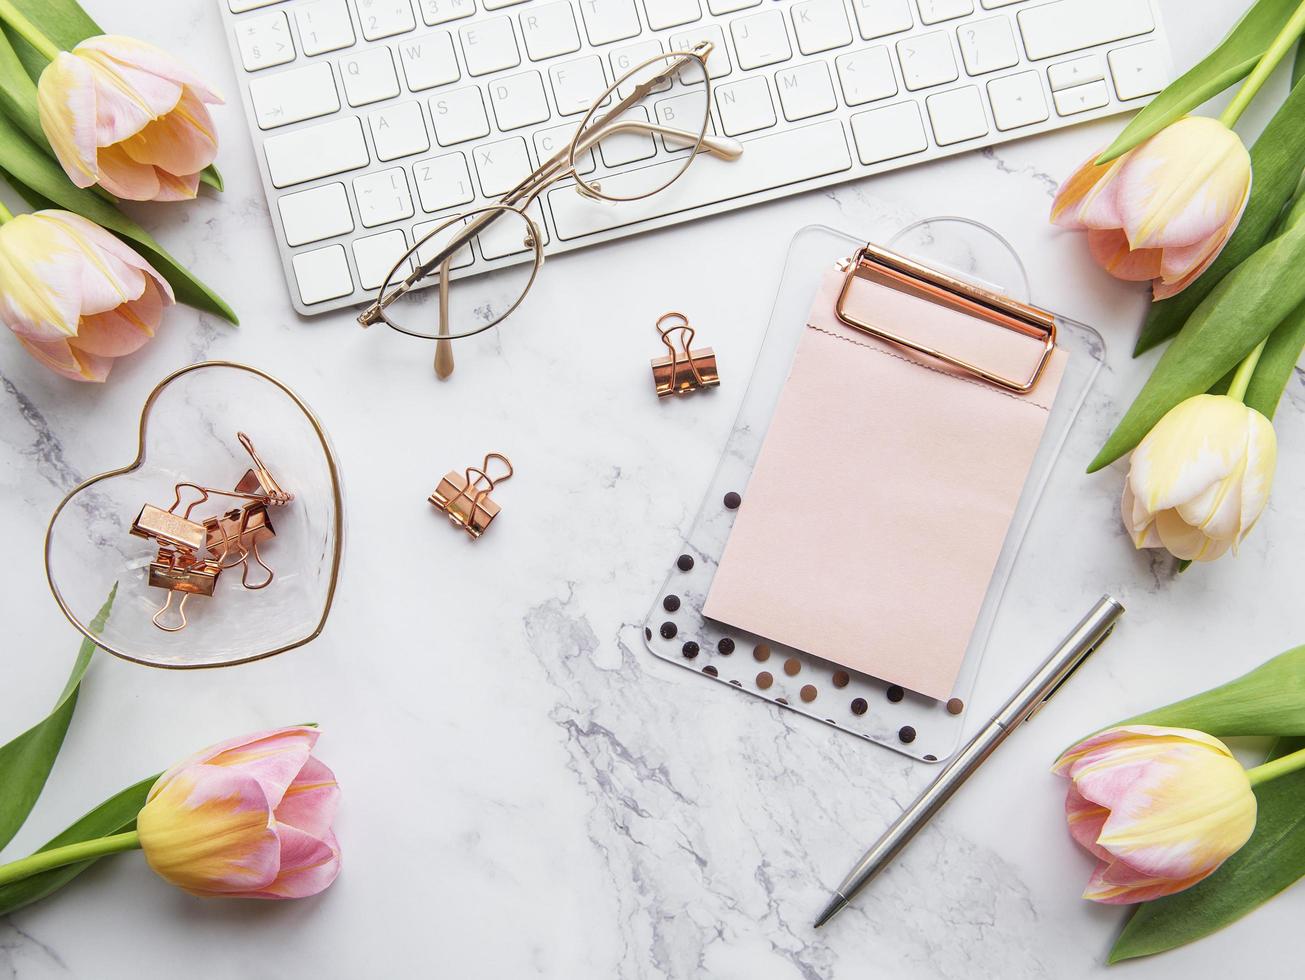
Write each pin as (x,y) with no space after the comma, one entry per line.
(135,464)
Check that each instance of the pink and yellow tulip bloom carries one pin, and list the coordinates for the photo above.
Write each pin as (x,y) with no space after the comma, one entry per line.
(1200,479)
(1160,808)
(249,818)
(75,295)
(123,114)
(1164,210)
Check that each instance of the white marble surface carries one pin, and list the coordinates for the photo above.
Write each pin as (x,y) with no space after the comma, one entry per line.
(527,792)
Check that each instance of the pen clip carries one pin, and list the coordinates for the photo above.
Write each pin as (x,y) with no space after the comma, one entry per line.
(1072,670)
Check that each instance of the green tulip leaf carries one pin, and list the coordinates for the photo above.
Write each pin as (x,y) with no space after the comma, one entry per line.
(42,182)
(1226,65)
(1242,310)
(25,763)
(1277,364)
(1270,700)
(1275,161)
(1298,66)
(115,815)
(66,24)
(18,93)
(1271,861)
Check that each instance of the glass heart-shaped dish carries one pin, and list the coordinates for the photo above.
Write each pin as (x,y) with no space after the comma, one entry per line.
(188,434)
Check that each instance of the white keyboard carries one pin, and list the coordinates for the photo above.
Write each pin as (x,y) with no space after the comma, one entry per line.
(374,120)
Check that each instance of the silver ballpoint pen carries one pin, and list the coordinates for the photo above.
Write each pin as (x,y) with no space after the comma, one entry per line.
(1046,680)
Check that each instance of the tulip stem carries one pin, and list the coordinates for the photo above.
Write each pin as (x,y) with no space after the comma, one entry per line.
(5,214)
(57,857)
(1277,767)
(1242,379)
(28,31)
(1293,29)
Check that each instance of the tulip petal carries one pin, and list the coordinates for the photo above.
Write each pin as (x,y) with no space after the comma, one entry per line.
(310,800)
(181,142)
(207,830)
(308,865)
(274,758)
(1139,524)
(1197,443)
(40,279)
(65,102)
(123,330)
(174,188)
(1085,820)
(1186,542)
(1067,208)
(60,357)
(123,177)
(1109,248)
(1262,461)
(135,53)
(127,97)
(1101,889)
(1183,184)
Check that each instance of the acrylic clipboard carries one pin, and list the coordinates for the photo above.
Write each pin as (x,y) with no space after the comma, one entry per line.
(872,709)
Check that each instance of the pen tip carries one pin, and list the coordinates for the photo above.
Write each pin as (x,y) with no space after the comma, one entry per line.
(836,905)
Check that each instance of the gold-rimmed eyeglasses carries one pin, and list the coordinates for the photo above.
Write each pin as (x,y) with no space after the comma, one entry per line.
(611,157)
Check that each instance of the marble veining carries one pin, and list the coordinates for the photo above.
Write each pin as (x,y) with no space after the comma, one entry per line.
(527,791)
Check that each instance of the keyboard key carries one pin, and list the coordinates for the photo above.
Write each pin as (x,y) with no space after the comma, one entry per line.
(399,131)
(632,55)
(489,46)
(805,91)
(502,165)
(375,256)
(786,157)
(1081,98)
(384,18)
(671,13)
(435,12)
(866,76)
(609,20)
(429,249)
(324,25)
(508,236)
(682,112)
(577,83)
(625,148)
(519,100)
(927,60)
(459,116)
(550,142)
(429,61)
(293,96)
(315,151)
(1056,28)
(994,4)
(879,18)
(890,132)
(820,25)
(718,62)
(369,76)
(382,197)
(729,6)
(937,11)
(240,6)
(311,215)
(443,182)
(957,115)
(264,41)
(498,4)
(745,106)
(760,39)
(322,274)
(550,30)
(1139,69)
(987,45)
(1067,74)
(1017,100)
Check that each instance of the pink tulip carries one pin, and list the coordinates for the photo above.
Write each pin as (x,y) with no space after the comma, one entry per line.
(250,818)
(1161,809)
(1164,210)
(75,295)
(128,116)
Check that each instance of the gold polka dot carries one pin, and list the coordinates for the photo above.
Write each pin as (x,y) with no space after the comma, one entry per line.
(764,680)
(842,678)
(808,692)
(955,706)
(761,653)
(792,666)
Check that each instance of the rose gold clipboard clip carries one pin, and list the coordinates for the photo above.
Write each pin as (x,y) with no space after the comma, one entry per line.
(877,264)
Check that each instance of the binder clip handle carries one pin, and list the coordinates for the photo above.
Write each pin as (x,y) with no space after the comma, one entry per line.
(271,489)
(687,334)
(181,612)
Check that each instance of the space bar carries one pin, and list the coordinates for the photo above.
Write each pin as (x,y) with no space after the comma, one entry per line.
(766,162)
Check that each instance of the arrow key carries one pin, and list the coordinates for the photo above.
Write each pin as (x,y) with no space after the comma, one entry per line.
(1017,100)
(1079,71)
(1139,69)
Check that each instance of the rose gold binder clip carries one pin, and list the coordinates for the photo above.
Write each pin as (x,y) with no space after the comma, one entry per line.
(464,497)
(192,554)
(685,369)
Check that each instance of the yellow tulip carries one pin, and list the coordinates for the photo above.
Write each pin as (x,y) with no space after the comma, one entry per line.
(1200,479)
(1160,808)
(127,116)
(1164,210)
